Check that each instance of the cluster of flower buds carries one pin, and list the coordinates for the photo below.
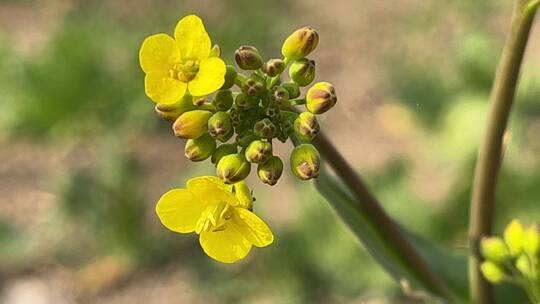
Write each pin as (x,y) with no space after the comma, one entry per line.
(515,258)
(236,128)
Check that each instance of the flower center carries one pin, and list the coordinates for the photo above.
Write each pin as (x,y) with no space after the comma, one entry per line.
(214,218)
(184,71)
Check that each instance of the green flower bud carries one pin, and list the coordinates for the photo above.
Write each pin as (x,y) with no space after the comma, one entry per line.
(244,101)
(258,151)
(292,88)
(287,121)
(192,124)
(233,168)
(300,43)
(306,126)
(265,128)
(513,236)
(282,137)
(230,77)
(200,100)
(270,172)
(273,67)
(302,72)
(170,112)
(305,161)
(223,100)
(215,51)
(320,97)
(223,150)
(280,96)
(494,250)
(200,148)
(225,137)
(272,111)
(243,194)
(219,125)
(492,272)
(523,264)
(248,58)
(245,138)
(531,242)
(254,86)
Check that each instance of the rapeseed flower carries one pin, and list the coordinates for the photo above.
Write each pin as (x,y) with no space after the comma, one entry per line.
(185,63)
(220,214)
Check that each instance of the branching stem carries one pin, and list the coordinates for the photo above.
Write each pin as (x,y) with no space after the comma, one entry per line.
(490,154)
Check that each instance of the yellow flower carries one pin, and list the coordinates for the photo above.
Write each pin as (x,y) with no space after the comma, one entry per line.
(219,213)
(185,63)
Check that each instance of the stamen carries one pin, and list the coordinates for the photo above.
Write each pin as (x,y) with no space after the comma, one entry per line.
(214,218)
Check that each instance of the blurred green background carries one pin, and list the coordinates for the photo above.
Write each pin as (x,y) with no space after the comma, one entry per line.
(84,158)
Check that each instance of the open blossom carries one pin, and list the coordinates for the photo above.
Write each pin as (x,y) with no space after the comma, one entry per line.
(174,66)
(219,213)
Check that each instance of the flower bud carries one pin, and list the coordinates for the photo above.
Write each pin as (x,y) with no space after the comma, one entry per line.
(243,195)
(200,100)
(230,77)
(170,112)
(223,150)
(287,121)
(258,151)
(233,168)
(248,58)
(492,272)
(265,128)
(531,242)
(223,100)
(192,124)
(280,96)
(513,236)
(254,86)
(300,43)
(305,161)
(302,72)
(523,264)
(273,67)
(494,250)
(270,172)
(282,136)
(219,125)
(320,97)
(245,138)
(292,88)
(244,101)
(272,111)
(306,126)
(215,51)
(200,148)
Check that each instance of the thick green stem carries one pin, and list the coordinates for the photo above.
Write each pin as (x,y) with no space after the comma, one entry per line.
(490,153)
(387,228)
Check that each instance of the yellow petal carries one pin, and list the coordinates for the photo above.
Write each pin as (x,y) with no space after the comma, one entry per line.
(158,53)
(192,38)
(211,190)
(243,195)
(252,227)
(163,89)
(226,246)
(210,77)
(179,210)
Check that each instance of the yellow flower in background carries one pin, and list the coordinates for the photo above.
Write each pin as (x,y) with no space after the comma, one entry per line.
(219,213)
(183,63)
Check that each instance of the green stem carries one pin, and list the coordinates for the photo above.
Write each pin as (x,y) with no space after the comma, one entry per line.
(489,156)
(387,228)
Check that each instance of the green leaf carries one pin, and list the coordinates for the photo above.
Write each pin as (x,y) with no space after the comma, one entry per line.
(452,268)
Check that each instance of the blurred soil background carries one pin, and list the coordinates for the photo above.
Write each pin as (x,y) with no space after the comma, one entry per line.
(83,157)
